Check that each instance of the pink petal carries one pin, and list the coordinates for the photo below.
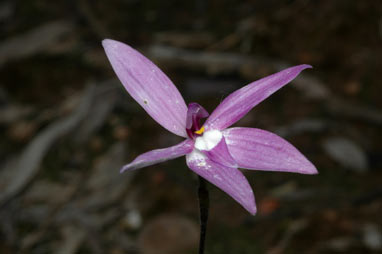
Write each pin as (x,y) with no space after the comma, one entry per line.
(238,103)
(228,179)
(160,155)
(195,112)
(262,150)
(149,86)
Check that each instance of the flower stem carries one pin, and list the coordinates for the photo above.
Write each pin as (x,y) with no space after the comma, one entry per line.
(203,206)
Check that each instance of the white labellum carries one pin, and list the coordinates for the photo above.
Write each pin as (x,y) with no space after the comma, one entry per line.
(209,140)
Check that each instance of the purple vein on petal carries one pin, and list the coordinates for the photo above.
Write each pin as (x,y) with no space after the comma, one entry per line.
(240,102)
(160,155)
(149,86)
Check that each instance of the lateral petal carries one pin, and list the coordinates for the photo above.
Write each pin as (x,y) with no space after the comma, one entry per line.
(148,85)
(160,155)
(262,150)
(228,179)
(240,102)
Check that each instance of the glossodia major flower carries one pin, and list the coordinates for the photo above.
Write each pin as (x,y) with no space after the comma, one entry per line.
(213,150)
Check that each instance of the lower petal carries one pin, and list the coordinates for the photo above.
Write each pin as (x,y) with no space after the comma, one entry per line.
(262,150)
(228,179)
(220,154)
(160,155)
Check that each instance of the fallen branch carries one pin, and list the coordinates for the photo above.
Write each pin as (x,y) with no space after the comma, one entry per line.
(33,41)
(21,170)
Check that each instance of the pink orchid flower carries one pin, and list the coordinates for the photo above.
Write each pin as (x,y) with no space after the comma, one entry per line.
(213,151)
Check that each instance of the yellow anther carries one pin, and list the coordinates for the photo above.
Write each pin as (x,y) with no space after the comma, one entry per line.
(200,131)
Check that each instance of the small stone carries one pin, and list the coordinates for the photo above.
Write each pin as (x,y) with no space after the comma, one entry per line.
(347,153)
(133,219)
(372,237)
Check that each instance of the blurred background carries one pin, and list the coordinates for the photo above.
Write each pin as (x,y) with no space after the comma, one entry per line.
(67,126)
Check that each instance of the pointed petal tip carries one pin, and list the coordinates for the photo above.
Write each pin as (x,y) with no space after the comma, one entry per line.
(252,209)
(307,167)
(294,71)
(314,173)
(123,169)
(108,42)
(110,46)
(113,48)
(306,66)
(311,169)
(299,68)
(127,167)
(105,41)
(250,205)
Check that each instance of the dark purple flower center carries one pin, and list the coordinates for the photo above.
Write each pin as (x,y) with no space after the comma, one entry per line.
(195,112)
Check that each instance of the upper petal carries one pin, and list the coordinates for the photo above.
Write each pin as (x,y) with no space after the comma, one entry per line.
(160,155)
(262,150)
(149,86)
(238,103)
(228,179)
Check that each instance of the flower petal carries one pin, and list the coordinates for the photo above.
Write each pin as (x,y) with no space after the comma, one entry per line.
(262,150)
(238,103)
(220,154)
(228,179)
(195,112)
(149,86)
(160,155)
